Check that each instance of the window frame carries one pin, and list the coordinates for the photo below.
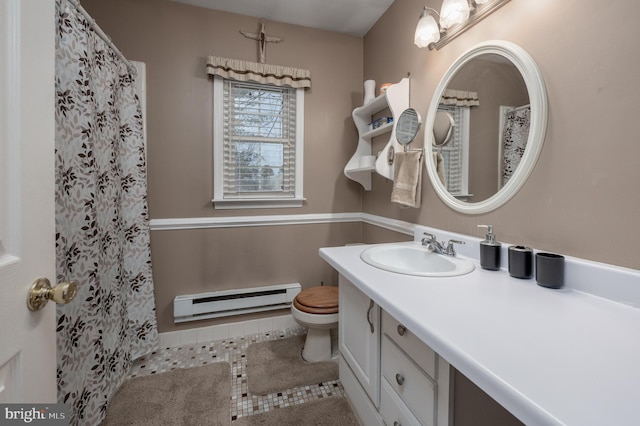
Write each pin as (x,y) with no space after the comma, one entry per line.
(259,200)
(461,132)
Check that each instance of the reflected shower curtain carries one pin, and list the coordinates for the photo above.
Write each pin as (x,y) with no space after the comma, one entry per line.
(102,225)
(515,134)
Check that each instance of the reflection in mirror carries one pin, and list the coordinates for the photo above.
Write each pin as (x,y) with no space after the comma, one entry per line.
(475,97)
(407,126)
(442,128)
(495,96)
(514,132)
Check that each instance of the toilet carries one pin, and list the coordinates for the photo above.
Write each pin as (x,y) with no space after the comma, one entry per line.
(316,309)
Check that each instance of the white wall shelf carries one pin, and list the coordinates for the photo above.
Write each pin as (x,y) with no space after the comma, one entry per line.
(385,128)
(359,167)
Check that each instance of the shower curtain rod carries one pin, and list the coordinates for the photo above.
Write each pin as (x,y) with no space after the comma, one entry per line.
(103,36)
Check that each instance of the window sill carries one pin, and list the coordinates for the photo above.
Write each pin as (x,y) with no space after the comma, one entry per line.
(257,203)
(462,197)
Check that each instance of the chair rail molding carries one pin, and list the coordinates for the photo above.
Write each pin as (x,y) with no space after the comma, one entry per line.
(172,224)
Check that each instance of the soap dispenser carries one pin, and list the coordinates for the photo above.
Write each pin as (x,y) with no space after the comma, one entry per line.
(490,250)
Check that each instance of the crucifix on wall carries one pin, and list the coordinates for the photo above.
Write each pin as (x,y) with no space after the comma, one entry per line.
(262,39)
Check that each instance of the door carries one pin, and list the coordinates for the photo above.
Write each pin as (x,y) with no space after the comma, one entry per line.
(27,223)
(359,337)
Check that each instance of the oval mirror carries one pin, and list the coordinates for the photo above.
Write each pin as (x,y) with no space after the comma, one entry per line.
(407,126)
(496,97)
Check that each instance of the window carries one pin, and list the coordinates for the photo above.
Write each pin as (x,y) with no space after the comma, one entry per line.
(258,145)
(456,152)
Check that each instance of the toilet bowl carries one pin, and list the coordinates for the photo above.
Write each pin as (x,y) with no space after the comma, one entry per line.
(316,309)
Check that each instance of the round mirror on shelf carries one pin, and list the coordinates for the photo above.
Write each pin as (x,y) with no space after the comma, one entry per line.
(496,99)
(407,126)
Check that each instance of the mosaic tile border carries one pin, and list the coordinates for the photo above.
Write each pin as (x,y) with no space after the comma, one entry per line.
(233,350)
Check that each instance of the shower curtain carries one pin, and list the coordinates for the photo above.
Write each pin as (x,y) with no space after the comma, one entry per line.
(102,225)
(515,133)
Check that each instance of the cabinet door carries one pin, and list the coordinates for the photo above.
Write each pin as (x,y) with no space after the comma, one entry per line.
(359,337)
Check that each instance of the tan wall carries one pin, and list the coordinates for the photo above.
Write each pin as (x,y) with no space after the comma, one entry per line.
(473,407)
(196,261)
(174,41)
(581,199)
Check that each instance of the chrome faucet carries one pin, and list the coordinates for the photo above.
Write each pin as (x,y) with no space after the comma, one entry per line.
(433,245)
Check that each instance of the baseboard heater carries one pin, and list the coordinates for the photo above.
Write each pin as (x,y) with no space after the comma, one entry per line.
(225,303)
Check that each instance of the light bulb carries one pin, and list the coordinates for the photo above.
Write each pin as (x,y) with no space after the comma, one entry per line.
(453,12)
(427,30)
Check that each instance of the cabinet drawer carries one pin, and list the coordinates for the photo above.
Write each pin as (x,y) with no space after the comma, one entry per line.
(393,410)
(422,354)
(413,386)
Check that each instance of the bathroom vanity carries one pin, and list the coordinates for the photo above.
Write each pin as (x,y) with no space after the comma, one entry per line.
(550,357)
(389,374)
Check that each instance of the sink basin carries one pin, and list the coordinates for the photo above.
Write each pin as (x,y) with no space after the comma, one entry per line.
(414,259)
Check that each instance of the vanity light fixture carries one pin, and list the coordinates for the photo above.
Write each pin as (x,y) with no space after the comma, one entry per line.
(427,31)
(454,12)
(455,17)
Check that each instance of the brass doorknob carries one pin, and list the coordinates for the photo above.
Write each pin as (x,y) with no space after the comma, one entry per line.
(41,292)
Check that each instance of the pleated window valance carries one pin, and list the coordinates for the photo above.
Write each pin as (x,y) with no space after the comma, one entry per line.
(459,98)
(261,73)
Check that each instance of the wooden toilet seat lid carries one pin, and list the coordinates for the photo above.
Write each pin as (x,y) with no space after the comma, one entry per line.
(317,300)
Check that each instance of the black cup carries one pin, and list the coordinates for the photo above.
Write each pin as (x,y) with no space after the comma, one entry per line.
(550,270)
(521,262)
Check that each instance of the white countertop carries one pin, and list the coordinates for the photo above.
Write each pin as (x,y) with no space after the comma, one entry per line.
(550,357)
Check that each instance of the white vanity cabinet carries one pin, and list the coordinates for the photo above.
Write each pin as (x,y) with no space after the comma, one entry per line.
(389,375)
(364,162)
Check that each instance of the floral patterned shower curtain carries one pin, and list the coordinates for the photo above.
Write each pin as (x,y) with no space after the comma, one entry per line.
(515,134)
(102,225)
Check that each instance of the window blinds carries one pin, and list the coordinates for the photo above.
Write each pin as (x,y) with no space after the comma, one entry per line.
(259,140)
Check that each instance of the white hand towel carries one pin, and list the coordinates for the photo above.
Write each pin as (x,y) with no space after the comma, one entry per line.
(407,178)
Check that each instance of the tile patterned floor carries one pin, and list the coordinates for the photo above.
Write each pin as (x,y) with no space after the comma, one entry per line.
(233,351)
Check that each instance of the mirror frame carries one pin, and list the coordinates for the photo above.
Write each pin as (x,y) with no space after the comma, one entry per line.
(532,77)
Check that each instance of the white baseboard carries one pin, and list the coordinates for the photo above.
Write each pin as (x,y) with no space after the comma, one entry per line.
(225,331)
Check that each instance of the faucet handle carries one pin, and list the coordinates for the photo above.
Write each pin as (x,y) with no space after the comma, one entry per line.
(428,241)
(429,236)
(451,251)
